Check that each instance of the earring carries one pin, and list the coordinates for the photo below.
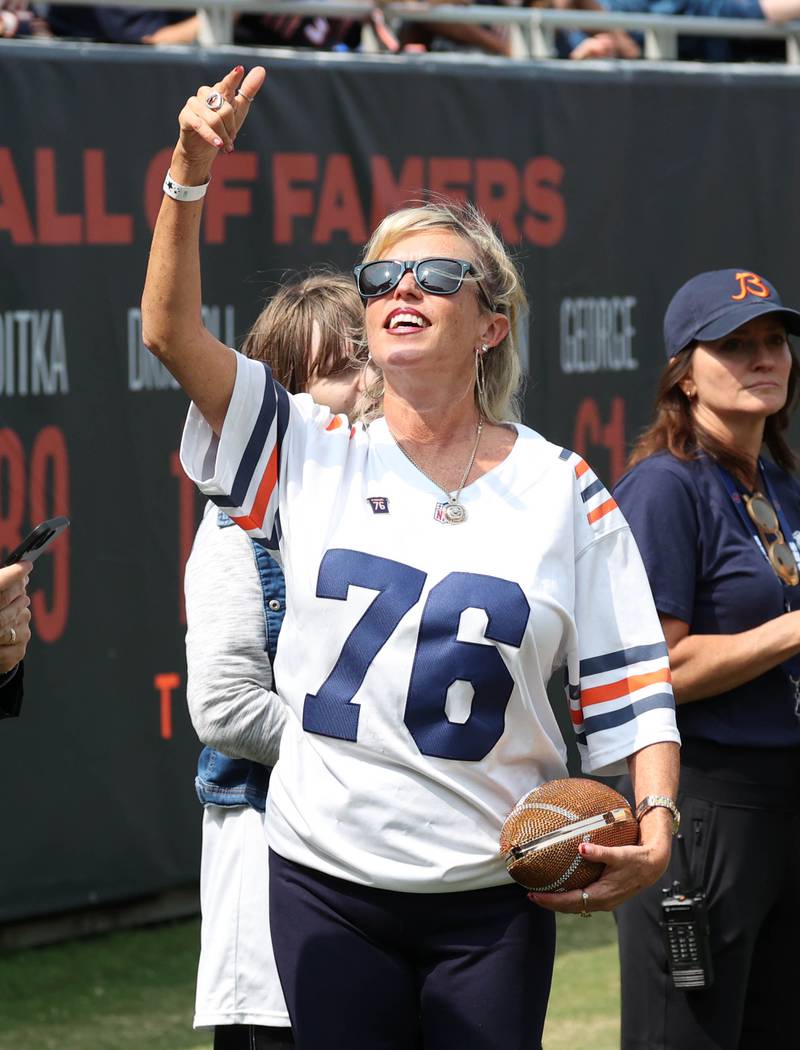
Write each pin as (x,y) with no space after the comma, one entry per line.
(480,381)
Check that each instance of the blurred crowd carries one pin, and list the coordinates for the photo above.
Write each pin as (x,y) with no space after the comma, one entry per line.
(154,26)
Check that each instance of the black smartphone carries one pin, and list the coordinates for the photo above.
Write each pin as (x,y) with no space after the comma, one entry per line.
(37,542)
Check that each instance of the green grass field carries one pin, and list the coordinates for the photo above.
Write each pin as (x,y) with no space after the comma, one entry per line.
(135,990)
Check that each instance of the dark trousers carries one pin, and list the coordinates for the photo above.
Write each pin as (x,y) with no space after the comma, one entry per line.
(372,969)
(250,1037)
(740,818)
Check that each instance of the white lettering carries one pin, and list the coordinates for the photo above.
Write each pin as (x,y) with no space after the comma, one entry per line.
(212,318)
(597,335)
(145,371)
(33,353)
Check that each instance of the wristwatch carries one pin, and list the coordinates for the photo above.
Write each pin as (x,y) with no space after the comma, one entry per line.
(654,802)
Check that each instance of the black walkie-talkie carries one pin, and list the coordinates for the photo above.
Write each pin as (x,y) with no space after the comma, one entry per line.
(684,922)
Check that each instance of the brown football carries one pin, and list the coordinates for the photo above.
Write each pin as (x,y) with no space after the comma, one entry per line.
(541,834)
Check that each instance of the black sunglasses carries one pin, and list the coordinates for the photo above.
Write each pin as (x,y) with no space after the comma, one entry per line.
(437,276)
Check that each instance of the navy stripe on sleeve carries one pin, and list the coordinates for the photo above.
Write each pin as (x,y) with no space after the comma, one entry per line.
(610,661)
(612,719)
(592,490)
(255,444)
(273,541)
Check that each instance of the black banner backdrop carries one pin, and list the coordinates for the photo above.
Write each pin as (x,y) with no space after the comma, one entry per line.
(611,186)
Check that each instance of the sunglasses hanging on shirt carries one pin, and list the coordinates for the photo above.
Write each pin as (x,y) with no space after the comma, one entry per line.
(779,553)
(771,528)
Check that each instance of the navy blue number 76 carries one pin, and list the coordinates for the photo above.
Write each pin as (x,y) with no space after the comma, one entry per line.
(440,658)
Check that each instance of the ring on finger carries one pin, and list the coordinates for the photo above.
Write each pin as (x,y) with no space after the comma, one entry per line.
(247,98)
(585,913)
(12,636)
(215,101)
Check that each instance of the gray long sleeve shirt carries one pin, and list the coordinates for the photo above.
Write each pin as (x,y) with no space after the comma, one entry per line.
(231,702)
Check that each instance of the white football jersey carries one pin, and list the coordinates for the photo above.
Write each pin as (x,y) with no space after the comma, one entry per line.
(415,654)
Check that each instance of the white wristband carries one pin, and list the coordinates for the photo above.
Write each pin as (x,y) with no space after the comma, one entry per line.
(184,193)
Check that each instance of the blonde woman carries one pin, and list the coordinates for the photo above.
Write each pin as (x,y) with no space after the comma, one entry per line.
(441,563)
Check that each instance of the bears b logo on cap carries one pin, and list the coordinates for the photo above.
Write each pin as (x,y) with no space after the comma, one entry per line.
(750,284)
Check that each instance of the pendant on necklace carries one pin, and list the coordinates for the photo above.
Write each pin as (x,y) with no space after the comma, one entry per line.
(450,513)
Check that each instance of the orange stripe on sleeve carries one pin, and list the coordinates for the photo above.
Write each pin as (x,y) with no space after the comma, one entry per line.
(255,519)
(601,511)
(334,424)
(581,468)
(623,687)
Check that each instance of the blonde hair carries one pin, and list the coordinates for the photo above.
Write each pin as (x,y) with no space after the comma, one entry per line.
(283,333)
(498,276)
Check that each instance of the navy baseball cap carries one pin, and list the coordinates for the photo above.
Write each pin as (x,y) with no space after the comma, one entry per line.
(713,304)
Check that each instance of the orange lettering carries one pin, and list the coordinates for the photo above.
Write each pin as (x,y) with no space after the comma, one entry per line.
(750,284)
(14,215)
(448,177)
(289,202)
(101,227)
(614,440)
(165,685)
(587,426)
(590,432)
(12,496)
(222,199)
(547,220)
(389,193)
(339,204)
(497,195)
(52,228)
(49,475)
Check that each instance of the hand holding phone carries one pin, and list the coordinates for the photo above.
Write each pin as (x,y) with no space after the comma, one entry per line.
(37,541)
(15,616)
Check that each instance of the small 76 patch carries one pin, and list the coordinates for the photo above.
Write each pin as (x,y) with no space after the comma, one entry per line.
(379,504)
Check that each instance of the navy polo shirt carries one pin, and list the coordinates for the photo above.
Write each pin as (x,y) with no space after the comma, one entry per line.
(705,568)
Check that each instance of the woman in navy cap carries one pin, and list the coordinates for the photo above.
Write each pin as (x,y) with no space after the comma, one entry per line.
(717,524)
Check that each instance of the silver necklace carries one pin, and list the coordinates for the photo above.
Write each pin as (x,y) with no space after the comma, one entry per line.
(452,512)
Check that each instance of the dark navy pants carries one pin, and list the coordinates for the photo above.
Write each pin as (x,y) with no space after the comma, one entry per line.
(369,969)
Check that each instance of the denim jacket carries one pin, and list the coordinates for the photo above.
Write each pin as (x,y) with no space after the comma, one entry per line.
(223,781)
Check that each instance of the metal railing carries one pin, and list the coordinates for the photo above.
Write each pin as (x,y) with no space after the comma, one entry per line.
(532,30)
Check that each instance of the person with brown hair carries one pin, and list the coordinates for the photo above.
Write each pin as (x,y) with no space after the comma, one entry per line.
(441,563)
(311,336)
(717,524)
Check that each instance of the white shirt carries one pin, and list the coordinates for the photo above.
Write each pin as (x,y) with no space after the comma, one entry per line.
(415,655)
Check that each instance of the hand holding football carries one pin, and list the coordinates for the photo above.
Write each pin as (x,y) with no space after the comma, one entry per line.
(541,835)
